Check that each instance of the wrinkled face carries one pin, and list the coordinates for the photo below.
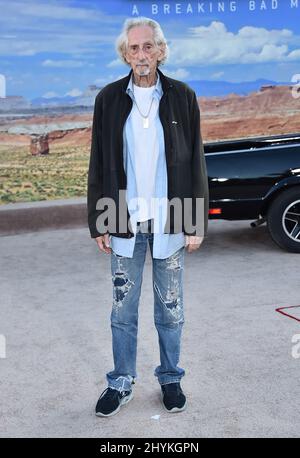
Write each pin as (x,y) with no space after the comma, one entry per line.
(142,53)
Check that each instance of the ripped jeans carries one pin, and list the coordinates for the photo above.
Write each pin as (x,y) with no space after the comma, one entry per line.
(167,279)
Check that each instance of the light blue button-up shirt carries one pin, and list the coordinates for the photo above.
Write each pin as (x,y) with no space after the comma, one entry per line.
(164,245)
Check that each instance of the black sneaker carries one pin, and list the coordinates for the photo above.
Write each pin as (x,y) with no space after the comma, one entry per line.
(173,398)
(111,400)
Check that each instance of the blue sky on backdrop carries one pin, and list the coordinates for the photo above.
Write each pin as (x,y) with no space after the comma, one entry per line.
(59,47)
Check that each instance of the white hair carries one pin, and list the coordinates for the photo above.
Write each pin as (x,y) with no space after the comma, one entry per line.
(159,38)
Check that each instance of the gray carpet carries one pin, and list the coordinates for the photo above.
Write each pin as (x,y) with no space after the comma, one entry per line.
(241,379)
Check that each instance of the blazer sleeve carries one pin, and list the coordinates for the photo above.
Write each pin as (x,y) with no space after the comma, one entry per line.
(95,171)
(199,171)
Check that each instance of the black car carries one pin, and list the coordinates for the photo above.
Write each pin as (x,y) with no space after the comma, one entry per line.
(258,178)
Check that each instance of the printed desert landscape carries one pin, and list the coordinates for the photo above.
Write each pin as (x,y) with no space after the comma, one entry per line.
(44,154)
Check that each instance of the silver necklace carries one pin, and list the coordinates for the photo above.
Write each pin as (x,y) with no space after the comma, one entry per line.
(145,117)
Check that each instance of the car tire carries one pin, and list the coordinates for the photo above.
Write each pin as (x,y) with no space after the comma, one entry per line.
(283,219)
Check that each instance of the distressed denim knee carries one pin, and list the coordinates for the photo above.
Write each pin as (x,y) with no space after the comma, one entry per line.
(121,282)
(169,314)
(126,275)
(169,291)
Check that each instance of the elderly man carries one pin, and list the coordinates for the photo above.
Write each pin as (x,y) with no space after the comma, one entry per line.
(146,141)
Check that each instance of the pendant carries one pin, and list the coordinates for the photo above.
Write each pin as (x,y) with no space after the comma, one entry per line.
(145,123)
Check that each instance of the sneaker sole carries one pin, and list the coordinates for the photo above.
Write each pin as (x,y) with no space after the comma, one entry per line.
(174,409)
(123,401)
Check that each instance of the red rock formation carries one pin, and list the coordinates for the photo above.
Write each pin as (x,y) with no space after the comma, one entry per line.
(39,144)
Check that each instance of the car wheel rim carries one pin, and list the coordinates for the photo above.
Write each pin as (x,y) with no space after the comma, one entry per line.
(291,221)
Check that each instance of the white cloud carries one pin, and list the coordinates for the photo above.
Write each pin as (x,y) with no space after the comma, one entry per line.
(115,63)
(268,53)
(294,55)
(34,27)
(109,79)
(49,95)
(214,44)
(54,10)
(62,63)
(180,73)
(74,92)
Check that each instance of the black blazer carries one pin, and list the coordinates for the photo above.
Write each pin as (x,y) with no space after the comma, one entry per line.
(186,167)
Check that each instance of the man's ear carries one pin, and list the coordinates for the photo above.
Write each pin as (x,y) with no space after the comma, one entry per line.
(125,57)
(162,49)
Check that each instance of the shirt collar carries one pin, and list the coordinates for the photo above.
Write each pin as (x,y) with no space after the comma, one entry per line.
(157,90)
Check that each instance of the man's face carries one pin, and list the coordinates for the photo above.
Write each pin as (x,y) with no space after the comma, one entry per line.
(142,53)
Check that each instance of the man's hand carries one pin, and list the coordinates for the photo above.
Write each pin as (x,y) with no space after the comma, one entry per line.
(103,243)
(193,242)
